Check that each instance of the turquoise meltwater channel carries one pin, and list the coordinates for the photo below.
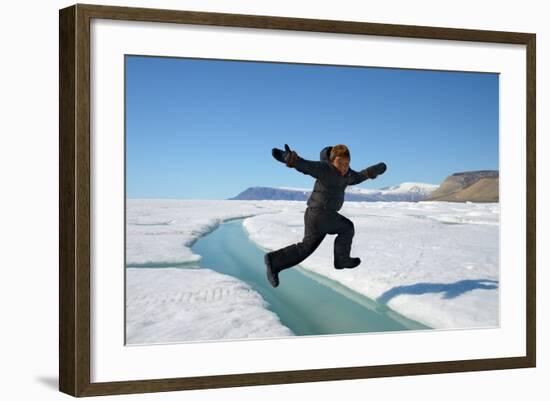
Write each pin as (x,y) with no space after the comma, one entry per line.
(307,303)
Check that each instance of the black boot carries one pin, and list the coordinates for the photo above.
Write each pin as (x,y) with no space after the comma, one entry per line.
(346,263)
(272,274)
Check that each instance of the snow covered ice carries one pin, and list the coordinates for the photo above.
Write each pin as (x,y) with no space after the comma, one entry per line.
(167,304)
(433,262)
(171,305)
(162,231)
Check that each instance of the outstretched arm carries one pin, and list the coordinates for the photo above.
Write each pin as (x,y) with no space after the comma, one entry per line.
(369,173)
(309,167)
(291,159)
(357,177)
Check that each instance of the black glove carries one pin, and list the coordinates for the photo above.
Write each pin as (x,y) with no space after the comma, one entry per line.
(286,156)
(376,170)
(278,154)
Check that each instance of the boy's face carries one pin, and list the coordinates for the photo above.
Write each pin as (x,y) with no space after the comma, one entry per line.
(341,164)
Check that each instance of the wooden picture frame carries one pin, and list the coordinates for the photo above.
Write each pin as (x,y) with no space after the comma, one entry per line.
(74,199)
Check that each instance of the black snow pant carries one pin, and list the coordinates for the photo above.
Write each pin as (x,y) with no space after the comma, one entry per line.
(318,223)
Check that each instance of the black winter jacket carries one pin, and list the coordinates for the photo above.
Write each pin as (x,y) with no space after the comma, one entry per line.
(328,191)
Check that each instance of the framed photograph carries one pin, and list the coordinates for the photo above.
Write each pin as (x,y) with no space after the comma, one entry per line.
(251,200)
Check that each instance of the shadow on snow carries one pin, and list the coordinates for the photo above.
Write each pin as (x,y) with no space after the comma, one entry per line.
(450,291)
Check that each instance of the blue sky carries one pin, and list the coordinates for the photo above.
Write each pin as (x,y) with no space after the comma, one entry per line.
(204,129)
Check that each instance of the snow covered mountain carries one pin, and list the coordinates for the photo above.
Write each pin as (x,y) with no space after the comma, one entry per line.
(405,192)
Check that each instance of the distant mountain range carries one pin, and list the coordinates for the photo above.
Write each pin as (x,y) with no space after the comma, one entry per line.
(406,192)
(472,186)
(469,186)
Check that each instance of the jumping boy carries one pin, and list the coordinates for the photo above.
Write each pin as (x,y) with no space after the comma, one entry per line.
(321,217)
